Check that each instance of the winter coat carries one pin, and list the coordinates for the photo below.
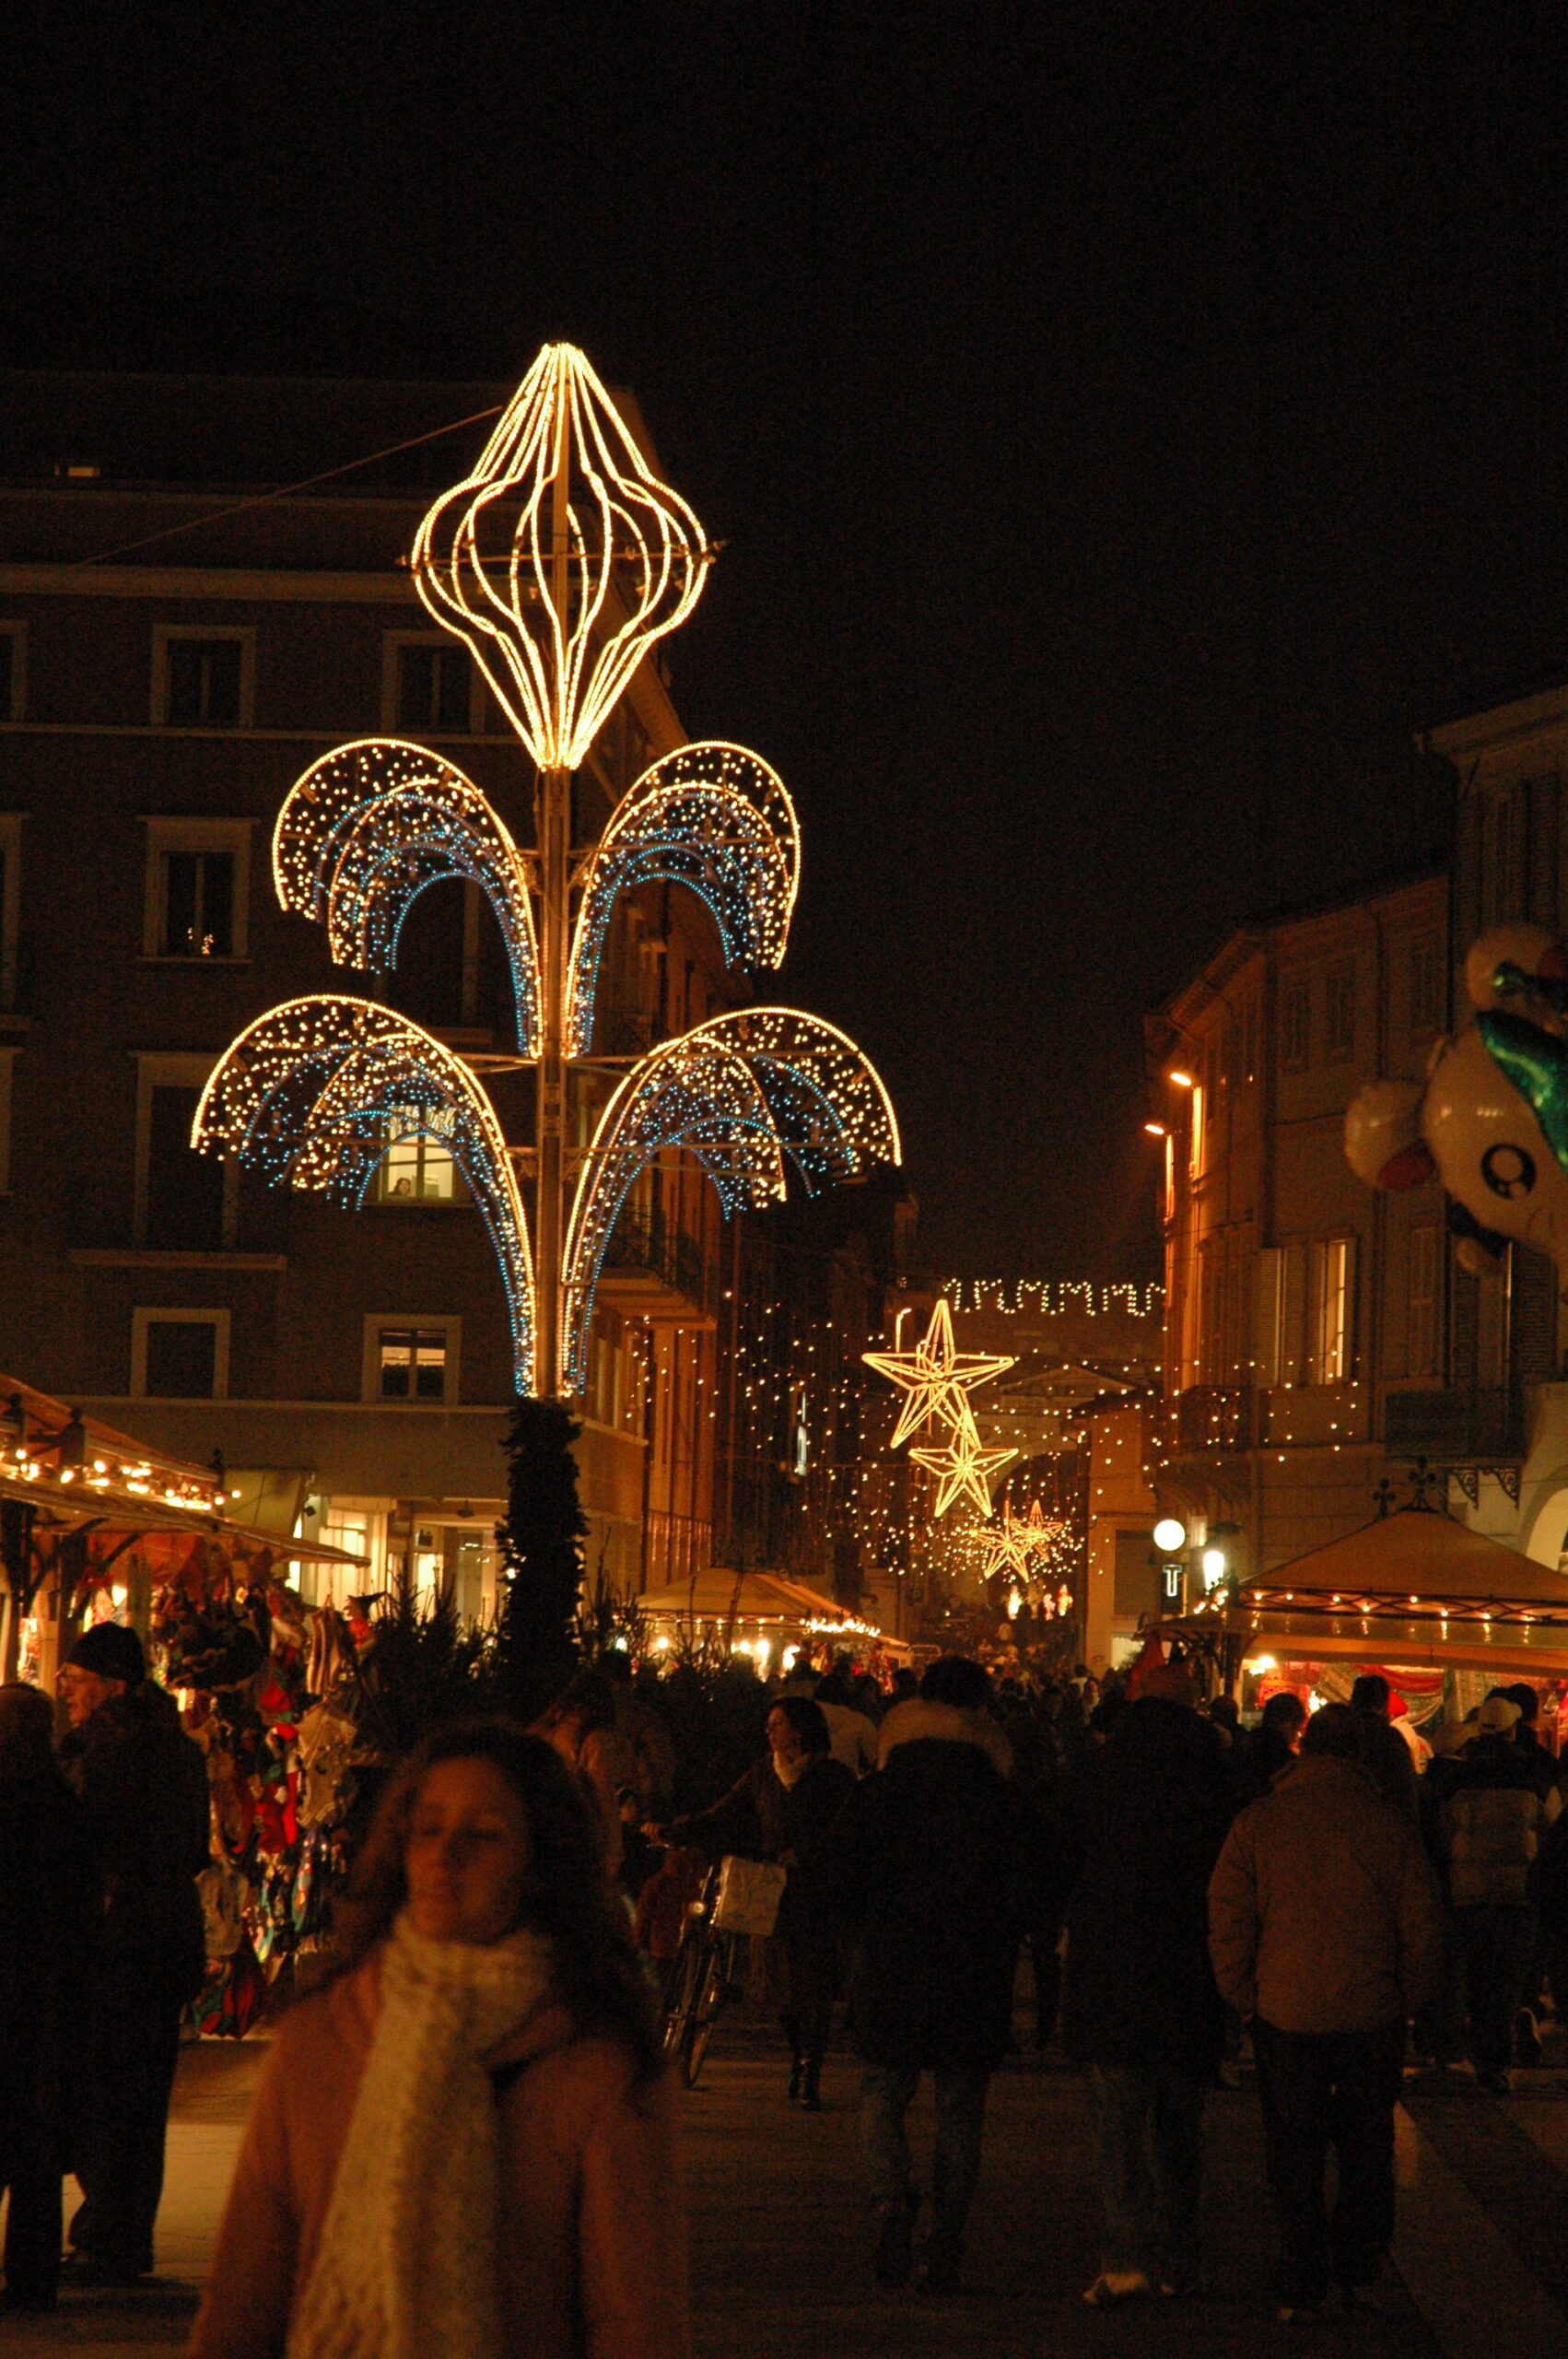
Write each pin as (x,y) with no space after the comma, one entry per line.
(761,1818)
(917,1716)
(1493,1822)
(1146,1821)
(1323,1910)
(935,1865)
(592,2232)
(143,1786)
(51,1902)
(1386,1758)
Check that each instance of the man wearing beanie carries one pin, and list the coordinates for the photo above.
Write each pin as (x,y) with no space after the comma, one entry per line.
(143,1791)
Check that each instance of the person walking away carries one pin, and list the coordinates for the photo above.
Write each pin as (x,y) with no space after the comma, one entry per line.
(1384,1756)
(933,1865)
(50,1903)
(854,1735)
(1141,2008)
(1415,1744)
(1274,1742)
(582,1726)
(1324,1932)
(782,1809)
(463,2142)
(142,1783)
(964,1689)
(1493,1822)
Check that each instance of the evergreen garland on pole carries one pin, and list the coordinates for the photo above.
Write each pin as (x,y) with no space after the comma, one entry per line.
(542,1554)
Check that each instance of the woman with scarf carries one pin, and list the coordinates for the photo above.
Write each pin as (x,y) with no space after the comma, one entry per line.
(462,2142)
(781,1808)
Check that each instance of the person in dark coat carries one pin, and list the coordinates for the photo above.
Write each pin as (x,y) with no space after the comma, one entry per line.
(783,1809)
(143,1785)
(1141,2006)
(1274,1742)
(934,1862)
(49,1910)
(1384,1756)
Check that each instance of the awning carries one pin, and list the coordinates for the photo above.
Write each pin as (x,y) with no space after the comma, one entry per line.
(720,1595)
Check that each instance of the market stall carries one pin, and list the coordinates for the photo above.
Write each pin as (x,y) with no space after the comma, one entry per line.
(95,1527)
(760,1614)
(1414,1592)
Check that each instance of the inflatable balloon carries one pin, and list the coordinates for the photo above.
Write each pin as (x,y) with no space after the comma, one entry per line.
(1492,1119)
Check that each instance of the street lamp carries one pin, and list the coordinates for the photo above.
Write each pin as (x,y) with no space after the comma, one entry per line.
(1170,1535)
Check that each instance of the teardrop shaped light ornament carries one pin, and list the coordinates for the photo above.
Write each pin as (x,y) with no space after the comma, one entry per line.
(560,559)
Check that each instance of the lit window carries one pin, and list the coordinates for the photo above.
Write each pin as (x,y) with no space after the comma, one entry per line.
(1332,1307)
(416,1169)
(413,1362)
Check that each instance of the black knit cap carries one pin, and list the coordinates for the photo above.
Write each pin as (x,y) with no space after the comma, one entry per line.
(112,1651)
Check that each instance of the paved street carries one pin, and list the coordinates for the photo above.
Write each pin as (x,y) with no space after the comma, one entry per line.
(780,2247)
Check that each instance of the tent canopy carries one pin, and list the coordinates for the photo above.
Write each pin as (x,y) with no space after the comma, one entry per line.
(718,1595)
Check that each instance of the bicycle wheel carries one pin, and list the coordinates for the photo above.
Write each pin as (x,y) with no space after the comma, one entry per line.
(681,1992)
(710,1996)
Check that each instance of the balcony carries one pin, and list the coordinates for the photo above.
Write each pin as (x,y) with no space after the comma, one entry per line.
(1460,1428)
(654,1269)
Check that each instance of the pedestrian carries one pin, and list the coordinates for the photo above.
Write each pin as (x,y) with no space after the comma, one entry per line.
(1274,1742)
(934,1864)
(463,2141)
(1139,2005)
(584,1725)
(782,1809)
(1384,1756)
(1498,1808)
(962,1687)
(143,1785)
(50,1904)
(853,1734)
(1326,1934)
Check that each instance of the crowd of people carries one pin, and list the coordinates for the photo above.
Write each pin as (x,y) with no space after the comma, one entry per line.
(463,2138)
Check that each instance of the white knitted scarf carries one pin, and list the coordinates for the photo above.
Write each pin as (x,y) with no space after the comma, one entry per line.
(407,2264)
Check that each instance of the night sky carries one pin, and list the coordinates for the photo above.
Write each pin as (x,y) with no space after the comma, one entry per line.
(1122,438)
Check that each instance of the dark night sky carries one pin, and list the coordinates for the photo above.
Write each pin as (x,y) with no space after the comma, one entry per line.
(1123,439)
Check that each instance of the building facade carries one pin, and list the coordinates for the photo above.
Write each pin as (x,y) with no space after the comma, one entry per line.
(178,642)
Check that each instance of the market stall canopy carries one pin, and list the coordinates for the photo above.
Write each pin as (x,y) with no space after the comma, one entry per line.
(1414,1587)
(718,1595)
(77,1474)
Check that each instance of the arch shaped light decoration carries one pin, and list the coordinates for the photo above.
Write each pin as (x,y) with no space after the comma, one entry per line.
(712,817)
(558,562)
(364,832)
(741,1092)
(561,560)
(318,1091)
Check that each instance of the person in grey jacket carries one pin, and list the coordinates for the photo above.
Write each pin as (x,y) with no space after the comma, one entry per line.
(1493,1822)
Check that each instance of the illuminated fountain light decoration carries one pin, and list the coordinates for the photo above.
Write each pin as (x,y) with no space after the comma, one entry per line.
(742,1093)
(369,826)
(558,587)
(713,817)
(558,561)
(316,1094)
(962,1467)
(936,1379)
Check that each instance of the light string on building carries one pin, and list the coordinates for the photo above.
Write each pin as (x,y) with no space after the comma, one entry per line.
(558,607)
(1054,1298)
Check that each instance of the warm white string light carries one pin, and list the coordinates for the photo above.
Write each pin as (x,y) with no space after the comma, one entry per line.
(936,1378)
(559,609)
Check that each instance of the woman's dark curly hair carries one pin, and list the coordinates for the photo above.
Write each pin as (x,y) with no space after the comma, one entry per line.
(567,1897)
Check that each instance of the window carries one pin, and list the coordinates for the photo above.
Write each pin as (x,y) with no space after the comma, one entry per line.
(13,670)
(7,1063)
(1295,1026)
(1340,1013)
(1426,990)
(198,889)
(411,1361)
(1198,1098)
(183,1202)
(1250,1035)
(417,1169)
(1333,1276)
(10,908)
(1421,1313)
(428,685)
(179,1355)
(203,679)
(1268,1316)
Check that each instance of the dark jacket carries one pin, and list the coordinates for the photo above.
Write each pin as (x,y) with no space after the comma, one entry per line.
(1492,1823)
(143,1785)
(934,1863)
(50,1905)
(1147,1821)
(762,1818)
(1322,1911)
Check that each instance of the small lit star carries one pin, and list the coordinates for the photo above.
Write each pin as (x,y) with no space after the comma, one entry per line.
(936,1378)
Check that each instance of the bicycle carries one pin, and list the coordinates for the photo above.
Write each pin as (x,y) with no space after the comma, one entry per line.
(702,1977)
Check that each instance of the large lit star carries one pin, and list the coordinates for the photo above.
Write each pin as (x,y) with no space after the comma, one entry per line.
(961,1469)
(937,1379)
(1009,1549)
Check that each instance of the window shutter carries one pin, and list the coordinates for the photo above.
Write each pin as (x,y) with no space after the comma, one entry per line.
(1293,1297)
(1268,1316)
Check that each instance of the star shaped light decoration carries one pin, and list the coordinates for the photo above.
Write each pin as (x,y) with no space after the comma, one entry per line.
(936,1379)
(1009,1549)
(962,1467)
